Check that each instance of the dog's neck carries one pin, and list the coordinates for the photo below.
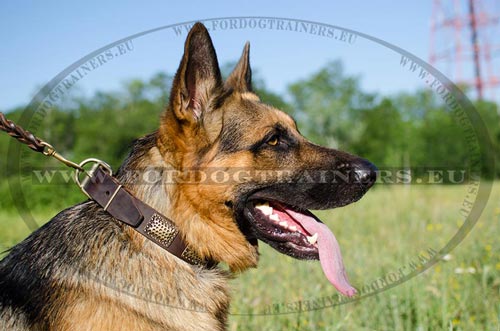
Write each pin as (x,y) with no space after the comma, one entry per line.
(148,176)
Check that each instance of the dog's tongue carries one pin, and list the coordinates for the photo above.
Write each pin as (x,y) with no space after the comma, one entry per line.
(329,251)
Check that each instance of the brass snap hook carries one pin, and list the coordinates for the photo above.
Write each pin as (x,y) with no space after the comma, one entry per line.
(50,151)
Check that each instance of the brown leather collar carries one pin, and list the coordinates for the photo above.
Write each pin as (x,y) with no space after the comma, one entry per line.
(100,186)
(119,203)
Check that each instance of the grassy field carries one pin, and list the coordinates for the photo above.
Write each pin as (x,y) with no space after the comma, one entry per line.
(386,231)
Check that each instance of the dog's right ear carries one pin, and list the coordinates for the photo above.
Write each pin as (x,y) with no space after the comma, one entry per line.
(241,77)
(197,78)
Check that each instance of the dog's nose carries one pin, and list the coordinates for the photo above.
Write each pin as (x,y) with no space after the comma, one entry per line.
(365,173)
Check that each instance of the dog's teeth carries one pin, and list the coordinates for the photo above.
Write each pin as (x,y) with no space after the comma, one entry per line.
(312,239)
(284,224)
(265,209)
(292,228)
(274,217)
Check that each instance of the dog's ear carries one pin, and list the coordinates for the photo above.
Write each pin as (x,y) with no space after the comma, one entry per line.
(198,77)
(241,77)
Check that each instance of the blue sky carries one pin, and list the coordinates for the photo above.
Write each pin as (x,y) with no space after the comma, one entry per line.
(40,39)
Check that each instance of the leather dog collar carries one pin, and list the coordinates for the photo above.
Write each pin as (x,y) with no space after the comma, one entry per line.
(101,187)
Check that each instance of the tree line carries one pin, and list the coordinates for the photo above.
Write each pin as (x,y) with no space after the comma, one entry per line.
(331,109)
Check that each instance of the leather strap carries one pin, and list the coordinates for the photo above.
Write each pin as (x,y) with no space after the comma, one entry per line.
(100,186)
(123,206)
(20,134)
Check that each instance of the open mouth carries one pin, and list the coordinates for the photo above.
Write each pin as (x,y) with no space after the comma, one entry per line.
(300,234)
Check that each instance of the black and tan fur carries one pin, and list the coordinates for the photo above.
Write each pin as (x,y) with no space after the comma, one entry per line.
(84,270)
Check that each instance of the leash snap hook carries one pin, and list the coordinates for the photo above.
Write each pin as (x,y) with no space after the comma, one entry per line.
(50,151)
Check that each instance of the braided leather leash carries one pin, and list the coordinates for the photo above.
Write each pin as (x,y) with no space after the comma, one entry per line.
(99,185)
(20,134)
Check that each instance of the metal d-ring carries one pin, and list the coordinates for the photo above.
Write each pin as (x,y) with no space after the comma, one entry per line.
(90,174)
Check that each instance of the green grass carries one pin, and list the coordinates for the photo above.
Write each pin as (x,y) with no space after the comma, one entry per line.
(13,229)
(384,231)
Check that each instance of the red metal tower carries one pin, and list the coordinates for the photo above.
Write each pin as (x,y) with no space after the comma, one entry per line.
(460,43)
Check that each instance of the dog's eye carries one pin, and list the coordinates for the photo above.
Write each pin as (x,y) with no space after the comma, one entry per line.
(273,141)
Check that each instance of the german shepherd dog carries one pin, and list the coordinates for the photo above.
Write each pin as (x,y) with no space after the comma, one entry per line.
(84,270)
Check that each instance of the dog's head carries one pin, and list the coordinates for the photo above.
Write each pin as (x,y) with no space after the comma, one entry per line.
(256,174)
